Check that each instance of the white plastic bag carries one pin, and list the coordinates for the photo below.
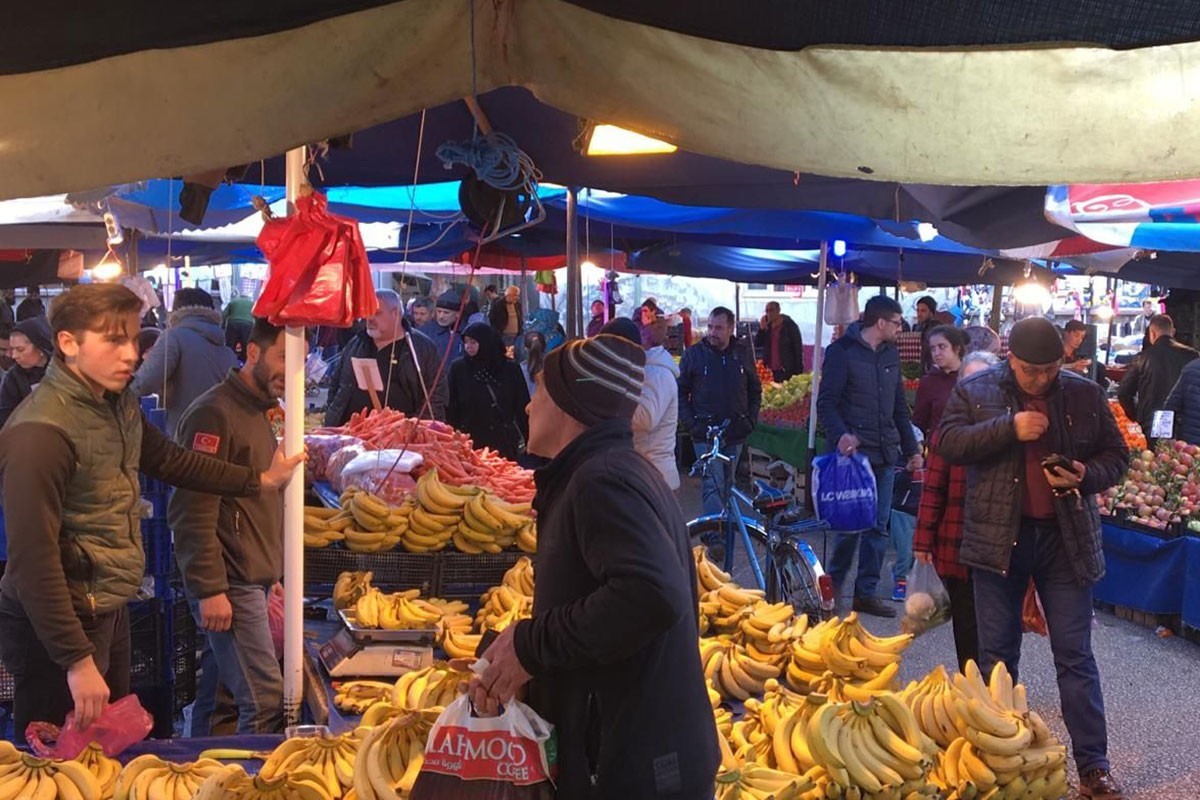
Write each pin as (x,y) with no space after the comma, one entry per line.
(927,603)
(841,302)
(384,472)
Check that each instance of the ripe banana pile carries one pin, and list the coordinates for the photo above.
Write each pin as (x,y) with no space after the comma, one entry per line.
(349,587)
(722,716)
(734,673)
(770,630)
(754,782)
(500,607)
(148,777)
(104,768)
(460,644)
(848,651)
(373,525)
(324,526)
(475,520)
(708,575)
(431,688)
(727,606)
(329,762)
(355,697)
(25,776)
(390,757)
(232,783)
(404,611)
(997,747)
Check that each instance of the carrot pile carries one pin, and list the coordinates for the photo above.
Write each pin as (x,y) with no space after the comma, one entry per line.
(458,463)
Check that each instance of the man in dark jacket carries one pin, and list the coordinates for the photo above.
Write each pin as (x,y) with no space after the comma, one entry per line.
(230,550)
(1026,520)
(1153,374)
(506,317)
(779,342)
(188,359)
(611,647)
(862,407)
(718,383)
(1184,401)
(443,329)
(408,364)
(70,457)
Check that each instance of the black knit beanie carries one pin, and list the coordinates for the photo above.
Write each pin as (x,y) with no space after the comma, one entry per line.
(596,379)
(1035,340)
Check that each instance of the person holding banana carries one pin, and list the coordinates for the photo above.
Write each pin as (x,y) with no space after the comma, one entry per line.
(230,550)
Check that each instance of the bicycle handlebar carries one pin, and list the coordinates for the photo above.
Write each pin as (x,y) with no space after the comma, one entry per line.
(714,434)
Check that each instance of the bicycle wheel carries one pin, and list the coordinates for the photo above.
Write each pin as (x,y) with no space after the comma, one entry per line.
(796,580)
(713,533)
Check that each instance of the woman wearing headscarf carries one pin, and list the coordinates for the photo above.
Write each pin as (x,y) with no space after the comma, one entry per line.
(32,346)
(488,395)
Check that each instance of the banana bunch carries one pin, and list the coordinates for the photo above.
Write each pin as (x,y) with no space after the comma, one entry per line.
(355,697)
(104,768)
(404,611)
(320,527)
(842,690)
(722,716)
(500,607)
(727,605)
(148,777)
(527,537)
(489,525)
(754,782)
(871,750)
(519,577)
(459,644)
(846,649)
(734,673)
(769,631)
(433,687)
(932,702)
(372,526)
(709,577)
(349,587)
(390,758)
(964,773)
(25,776)
(329,762)
(232,783)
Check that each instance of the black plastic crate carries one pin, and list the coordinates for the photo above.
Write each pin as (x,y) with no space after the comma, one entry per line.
(394,569)
(466,575)
(163,653)
(6,685)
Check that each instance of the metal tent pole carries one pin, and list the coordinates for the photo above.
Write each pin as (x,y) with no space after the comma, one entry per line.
(818,346)
(293,496)
(574,275)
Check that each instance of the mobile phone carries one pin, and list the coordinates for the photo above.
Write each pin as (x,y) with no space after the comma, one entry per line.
(1059,461)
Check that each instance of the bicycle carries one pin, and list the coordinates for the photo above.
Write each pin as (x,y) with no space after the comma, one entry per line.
(778,561)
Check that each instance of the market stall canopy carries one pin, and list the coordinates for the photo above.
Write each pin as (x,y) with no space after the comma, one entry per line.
(1150,216)
(927,93)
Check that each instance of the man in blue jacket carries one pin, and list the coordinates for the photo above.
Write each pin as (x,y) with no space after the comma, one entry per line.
(861,405)
(718,382)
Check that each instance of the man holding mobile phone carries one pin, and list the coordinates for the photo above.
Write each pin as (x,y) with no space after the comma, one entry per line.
(1039,442)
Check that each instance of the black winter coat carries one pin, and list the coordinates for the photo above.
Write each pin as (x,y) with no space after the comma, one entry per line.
(862,392)
(405,392)
(498,316)
(1151,377)
(1184,400)
(791,347)
(612,642)
(490,422)
(718,385)
(16,385)
(977,430)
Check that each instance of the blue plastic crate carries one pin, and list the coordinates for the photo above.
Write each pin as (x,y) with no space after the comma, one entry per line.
(159,547)
(158,500)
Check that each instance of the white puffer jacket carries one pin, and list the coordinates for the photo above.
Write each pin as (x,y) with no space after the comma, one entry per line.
(656,420)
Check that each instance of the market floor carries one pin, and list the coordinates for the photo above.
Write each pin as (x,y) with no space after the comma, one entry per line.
(1150,691)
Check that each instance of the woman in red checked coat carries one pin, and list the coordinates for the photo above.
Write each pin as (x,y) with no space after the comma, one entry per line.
(940,529)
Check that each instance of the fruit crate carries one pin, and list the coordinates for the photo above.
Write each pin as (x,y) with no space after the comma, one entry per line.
(395,569)
(163,657)
(462,575)
(6,685)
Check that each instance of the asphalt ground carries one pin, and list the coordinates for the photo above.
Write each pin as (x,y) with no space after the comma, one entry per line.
(1151,689)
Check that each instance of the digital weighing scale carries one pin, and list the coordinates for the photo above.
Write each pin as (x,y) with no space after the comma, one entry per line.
(371,652)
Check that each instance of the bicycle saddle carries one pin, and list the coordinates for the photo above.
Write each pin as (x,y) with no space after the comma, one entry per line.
(768,498)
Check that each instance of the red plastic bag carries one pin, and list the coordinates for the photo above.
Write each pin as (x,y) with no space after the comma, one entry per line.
(509,757)
(1033,618)
(121,724)
(320,274)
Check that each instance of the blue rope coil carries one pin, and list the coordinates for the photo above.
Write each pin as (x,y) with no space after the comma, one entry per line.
(496,160)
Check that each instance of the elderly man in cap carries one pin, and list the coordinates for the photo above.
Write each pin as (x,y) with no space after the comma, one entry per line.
(1039,443)
(443,329)
(611,647)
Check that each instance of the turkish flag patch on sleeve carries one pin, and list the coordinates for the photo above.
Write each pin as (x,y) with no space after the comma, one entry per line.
(206,443)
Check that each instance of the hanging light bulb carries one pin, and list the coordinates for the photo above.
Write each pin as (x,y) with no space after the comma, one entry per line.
(1032,293)
(839,248)
(109,268)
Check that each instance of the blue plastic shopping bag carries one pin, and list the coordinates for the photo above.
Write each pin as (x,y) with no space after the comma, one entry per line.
(844,493)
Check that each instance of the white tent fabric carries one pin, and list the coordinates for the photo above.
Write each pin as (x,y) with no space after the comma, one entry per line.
(979,116)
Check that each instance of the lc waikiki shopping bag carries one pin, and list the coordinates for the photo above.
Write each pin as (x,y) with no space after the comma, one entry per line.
(844,493)
(508,757)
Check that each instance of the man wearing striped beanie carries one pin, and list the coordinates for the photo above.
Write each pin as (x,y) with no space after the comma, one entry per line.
(611,648)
